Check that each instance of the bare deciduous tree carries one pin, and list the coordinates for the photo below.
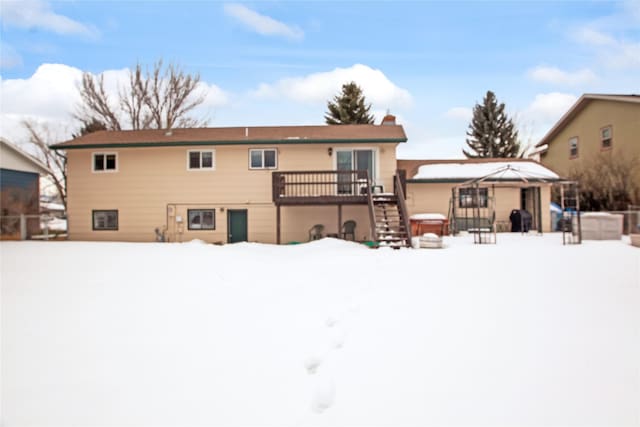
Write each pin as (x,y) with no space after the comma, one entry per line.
(132,99)
(608,181)
(40,136)
(171,96)
(95,104)
(157,99)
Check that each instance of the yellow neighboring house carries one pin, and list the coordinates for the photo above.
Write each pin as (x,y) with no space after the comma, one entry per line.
(595,125)
(259,184)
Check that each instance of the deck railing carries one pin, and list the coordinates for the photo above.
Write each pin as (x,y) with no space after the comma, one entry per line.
(320,187)
(400,185)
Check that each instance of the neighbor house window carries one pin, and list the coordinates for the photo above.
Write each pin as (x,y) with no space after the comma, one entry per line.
(202,219)
(573,147)
(472,198)
(201,160)
(105,162)
(606,137)
(105,220)
(263,158)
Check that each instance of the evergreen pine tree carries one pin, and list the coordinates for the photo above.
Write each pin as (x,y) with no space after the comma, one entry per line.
(90,126)
(349,107)
(491,133)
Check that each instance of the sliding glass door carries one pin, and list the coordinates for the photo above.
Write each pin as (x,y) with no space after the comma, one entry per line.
(349,160)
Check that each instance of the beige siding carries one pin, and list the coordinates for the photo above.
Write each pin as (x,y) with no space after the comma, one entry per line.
(624,117)
(152,187)
(434,198)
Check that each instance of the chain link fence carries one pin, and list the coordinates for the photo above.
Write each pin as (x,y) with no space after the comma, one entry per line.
(631,221)
(33,227)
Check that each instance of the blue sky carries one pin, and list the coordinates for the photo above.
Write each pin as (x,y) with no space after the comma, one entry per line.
(277,63)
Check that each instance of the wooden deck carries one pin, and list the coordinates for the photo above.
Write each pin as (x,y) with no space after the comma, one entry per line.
(321,188)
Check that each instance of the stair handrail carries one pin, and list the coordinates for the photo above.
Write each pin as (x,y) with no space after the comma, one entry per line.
(372,218)
(403,207)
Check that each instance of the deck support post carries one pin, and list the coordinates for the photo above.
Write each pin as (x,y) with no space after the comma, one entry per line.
(278,224)
(339,219)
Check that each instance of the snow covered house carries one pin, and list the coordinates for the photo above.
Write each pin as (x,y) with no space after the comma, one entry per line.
(492,188)
(263,184)
(19,191)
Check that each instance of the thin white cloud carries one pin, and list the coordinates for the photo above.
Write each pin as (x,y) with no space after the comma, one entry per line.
(323,86)
(557,76)
(262,24)
(29,14)
(459,113)
(612,52)
(592,37)
(631,8)
(550,106)
(542,113)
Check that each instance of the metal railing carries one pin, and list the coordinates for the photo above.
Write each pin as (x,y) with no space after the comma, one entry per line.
(402,206)
(320,186)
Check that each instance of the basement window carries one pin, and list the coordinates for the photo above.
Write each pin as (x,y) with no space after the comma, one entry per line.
(105,162)
(606,137)
(105,220)
(201,219)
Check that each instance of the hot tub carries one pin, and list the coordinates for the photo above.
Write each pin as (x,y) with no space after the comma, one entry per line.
(429,223)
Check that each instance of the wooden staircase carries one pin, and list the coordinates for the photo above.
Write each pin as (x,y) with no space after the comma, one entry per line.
(390,225)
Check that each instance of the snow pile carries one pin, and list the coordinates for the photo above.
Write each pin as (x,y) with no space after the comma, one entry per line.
(328,333)
(428,216)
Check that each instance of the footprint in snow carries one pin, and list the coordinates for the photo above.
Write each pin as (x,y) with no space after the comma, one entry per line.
(324,395)
(312,363)
(330,322)
(338,336)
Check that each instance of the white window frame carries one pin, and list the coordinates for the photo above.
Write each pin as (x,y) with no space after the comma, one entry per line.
(105,154)
(602,138)
(375,180)
(262,150)
(577,140)
(213,160)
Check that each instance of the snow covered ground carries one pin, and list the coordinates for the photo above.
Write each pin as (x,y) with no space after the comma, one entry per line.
(329,333)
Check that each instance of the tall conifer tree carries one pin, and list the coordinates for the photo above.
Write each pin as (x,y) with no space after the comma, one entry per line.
(491,133)
(349,107)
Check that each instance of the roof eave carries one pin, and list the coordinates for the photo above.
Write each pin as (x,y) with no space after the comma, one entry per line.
(575,109)
(37,164)
(67,146)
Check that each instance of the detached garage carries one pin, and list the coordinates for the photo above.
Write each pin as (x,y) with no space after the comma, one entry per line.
(490,189)
(19,192)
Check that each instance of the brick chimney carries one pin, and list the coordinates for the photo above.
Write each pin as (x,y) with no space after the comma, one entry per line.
(389,119)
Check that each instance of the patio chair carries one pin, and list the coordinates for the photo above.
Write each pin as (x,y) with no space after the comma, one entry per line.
(315,232)
(348,229)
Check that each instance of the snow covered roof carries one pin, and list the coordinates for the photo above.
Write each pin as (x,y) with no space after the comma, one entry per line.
(491,171)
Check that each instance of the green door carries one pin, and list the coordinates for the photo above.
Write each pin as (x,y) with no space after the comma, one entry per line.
(236,225)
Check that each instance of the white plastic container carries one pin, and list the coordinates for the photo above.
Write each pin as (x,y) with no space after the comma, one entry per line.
(601,226)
